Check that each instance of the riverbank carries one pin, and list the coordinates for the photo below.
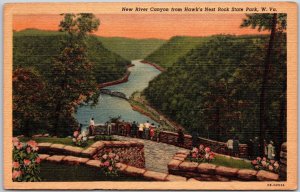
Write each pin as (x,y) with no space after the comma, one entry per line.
(118,81)
(154,65)
(138,103)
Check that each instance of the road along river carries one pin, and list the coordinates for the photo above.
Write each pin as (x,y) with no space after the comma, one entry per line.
(109,106)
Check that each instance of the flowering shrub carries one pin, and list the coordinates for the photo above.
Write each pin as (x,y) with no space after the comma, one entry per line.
(265,164)
(26,161)
(108,163)
(80,139)
(201,154)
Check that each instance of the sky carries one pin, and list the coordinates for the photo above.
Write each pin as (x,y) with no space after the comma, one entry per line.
(160,26)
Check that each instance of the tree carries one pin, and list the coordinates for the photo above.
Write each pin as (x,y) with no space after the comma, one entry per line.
(273,23)
(73,82)
(29,101)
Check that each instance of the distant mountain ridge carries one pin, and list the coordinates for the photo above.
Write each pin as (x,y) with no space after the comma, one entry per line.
(37,48)
(130,48)
(172,50)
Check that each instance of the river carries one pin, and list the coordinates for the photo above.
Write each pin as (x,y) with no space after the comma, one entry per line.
(109,106)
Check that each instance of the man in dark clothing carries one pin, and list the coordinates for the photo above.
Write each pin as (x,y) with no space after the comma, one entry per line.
(236,150)
(194,139)
(133,129)
(256,148)
(250,149)
(180,139)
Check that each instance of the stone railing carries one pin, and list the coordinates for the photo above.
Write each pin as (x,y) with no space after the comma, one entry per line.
(218,147)
(130,152)
(210,172)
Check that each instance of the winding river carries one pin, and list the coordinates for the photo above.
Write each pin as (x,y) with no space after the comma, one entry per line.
(109,106)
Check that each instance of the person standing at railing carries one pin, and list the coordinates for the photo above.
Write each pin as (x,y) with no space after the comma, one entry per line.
(180,139)
(127,129)
(141,130)
(147,129)
(152,131)
(236,149)
(271,151)
(230,146)
(92,126)
(134,129)
(109,128)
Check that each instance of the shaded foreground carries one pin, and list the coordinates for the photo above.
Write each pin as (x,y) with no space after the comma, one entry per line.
(61,172)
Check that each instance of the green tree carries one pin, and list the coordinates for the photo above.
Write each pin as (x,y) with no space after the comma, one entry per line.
(29,101)
(273,23)
(72,81)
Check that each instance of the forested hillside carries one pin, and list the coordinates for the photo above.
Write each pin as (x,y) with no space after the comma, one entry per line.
(35,48)
(173,49)
(131,48)
(214,89)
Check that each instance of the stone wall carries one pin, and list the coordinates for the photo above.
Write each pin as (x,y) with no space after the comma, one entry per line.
(130,152)
(210,172)
(283,161)
(218,147)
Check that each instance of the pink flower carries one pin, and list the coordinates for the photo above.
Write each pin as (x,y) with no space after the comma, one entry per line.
(207,149)
(38,160)
(264,163)
(195,150)
(104,156)
(272,161)
(258,158)
(276,165)
(19,146)
(201,147)
(254,162)
(106,163)
(194,155)
(270,167)
(16,165)
(110,168)
(117,157)
(32,144)
(26,162)
(206,156)
(16,174)
(28,149)
(76,133)
(264,159)
(211,156)
(256,167)
(15,141)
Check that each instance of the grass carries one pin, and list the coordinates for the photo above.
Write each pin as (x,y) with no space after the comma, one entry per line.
(59,172)
(230,162)
(65,141)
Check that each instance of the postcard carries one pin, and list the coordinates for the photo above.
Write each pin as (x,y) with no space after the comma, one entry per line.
(150,96)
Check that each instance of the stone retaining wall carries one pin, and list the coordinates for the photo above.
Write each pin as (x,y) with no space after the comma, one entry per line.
(283,161)
(123,168)
(218,147)
(130,152)
(211,172)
